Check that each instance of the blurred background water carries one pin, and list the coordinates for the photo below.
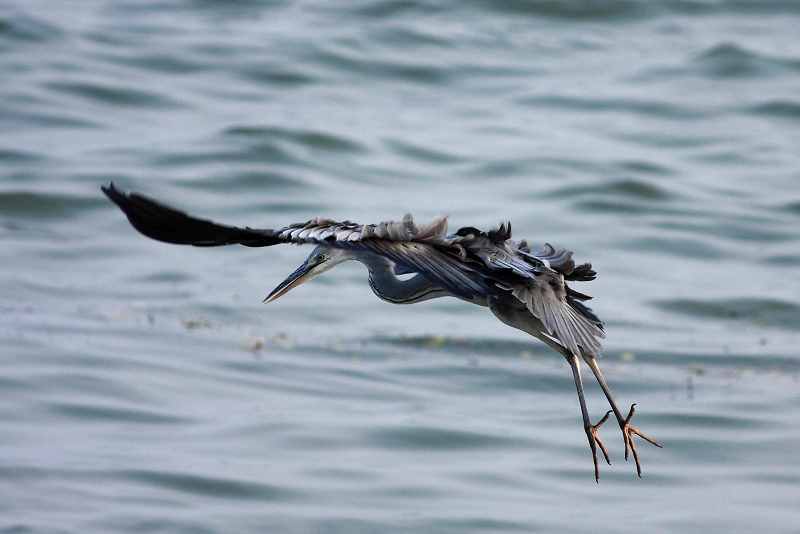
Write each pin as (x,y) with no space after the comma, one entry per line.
(145,387)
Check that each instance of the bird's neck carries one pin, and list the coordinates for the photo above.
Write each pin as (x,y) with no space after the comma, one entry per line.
(387,286)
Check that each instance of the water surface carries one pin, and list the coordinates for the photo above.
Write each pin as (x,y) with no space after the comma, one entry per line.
(145,387)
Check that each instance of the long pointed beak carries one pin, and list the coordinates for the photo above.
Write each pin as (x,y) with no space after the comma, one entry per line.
(295,279)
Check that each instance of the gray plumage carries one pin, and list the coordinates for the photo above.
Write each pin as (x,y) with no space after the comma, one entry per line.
(524,289)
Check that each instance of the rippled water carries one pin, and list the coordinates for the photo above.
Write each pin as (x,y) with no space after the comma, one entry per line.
(145,387)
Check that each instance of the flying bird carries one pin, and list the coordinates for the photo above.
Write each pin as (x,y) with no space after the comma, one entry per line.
(524,289)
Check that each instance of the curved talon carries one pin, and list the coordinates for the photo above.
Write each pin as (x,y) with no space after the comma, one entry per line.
(627,435)
(591,433)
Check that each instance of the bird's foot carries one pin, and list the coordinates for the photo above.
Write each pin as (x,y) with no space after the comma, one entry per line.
(594,440)
(627,434)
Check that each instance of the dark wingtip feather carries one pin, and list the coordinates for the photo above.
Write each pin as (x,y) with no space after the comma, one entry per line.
(163,223)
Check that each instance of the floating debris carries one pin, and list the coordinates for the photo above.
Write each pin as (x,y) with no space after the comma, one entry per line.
(192,323)
(256,344)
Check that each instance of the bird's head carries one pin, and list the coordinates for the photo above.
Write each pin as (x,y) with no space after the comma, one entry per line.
(320,260)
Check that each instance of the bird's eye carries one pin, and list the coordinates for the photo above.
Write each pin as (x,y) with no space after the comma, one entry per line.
(320,257)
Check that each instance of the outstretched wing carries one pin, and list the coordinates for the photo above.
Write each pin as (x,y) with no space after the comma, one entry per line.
(422,249)
(164,223)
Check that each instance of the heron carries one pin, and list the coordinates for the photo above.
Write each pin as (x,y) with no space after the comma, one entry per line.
(524,289)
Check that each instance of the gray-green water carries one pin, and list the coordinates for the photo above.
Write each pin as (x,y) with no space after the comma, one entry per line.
(145,388)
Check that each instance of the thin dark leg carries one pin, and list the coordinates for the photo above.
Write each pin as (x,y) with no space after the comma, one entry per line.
(591,430)
(624,422)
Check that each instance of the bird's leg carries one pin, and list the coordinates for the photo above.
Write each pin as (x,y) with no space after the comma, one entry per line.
(591,430)
(624,422)
(512,316)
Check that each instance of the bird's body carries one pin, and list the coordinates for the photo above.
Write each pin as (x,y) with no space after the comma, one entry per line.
(526,290)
